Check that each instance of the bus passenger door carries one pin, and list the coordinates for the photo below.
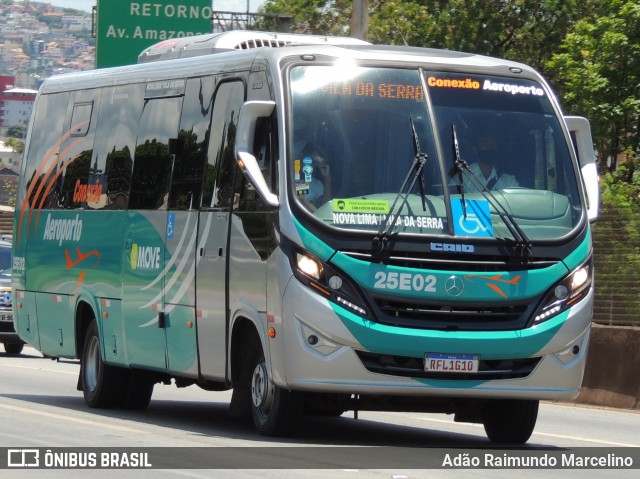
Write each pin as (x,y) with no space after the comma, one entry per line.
(185,196)
(213,232)
(147,267)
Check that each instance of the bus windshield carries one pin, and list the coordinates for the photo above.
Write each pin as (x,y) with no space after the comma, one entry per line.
(356,132)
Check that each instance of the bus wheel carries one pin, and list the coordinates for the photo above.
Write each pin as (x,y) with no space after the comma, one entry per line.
(275,410)
(102,385)
(13,349)
(139,390)
(510,421)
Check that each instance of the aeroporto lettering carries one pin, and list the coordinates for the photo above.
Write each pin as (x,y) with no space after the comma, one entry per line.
(140,9)
(87,193)
(63,229)
(513,89)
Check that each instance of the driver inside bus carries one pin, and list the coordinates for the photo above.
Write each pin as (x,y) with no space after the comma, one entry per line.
(485,167)
(313,178)
(320,187)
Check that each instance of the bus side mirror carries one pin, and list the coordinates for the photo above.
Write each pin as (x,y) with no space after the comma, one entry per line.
(250,113)
(581,135)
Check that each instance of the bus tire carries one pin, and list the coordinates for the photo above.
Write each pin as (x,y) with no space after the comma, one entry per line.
(510,421)
(139,390)
(102,385)
(275,411)
(13,349)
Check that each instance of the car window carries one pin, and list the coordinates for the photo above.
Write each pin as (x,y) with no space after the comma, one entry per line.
(5,255)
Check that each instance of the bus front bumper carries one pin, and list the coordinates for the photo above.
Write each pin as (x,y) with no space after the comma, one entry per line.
(325,346)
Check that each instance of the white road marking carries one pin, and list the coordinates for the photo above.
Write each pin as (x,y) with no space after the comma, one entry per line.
(62,417)
(73,373)
(545,434)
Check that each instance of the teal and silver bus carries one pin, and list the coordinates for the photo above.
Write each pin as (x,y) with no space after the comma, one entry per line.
(319,225)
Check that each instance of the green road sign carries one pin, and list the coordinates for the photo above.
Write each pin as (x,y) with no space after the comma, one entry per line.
(126,27)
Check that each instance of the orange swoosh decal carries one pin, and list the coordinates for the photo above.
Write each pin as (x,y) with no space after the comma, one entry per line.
(497,278)
(49,182)
(81,257)
(35,179)
(497,290)
(52,183)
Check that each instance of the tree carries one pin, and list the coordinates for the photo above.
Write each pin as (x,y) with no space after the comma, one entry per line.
(524,30)
(319,17)
(17,131)
(15,144)
(8,188)
(598,71)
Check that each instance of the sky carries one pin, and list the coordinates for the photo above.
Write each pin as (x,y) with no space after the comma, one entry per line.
(224,5)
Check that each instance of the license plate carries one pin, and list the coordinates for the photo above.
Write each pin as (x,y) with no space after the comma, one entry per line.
(451,363)
(6,316)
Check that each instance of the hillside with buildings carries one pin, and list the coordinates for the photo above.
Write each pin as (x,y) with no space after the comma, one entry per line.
(37,40)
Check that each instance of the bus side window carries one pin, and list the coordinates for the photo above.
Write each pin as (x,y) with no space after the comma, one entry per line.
(152,160)
(78,187)
(218,177)
(40,166)
(263,150)
(112,161)
(191,145)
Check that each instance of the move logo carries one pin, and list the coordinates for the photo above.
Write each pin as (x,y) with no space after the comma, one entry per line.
(145,257)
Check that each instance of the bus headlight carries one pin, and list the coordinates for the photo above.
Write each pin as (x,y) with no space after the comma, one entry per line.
(309,265)
(563,295)
(328,281)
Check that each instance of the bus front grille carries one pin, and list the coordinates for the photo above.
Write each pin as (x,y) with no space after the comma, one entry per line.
(456,261)
(413,367)
(451,316)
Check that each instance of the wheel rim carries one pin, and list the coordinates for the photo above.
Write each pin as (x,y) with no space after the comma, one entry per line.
(261,388)
(92,364)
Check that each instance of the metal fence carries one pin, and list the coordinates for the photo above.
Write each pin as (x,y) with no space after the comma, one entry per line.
(616,238)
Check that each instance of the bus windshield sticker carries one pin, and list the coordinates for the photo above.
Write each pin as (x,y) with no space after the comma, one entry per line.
(400,221)
(471,219)
(360,206)
(296,170)
(163,88)
(302,189)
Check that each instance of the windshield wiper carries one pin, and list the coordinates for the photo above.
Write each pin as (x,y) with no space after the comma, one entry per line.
(420,174)
(381,240)
(522,241)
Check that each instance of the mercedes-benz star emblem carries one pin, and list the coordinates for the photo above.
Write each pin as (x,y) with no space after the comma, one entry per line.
(454,286)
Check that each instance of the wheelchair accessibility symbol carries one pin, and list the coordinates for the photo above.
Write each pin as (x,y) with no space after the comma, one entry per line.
(476,221)
(171,221)
(471,224)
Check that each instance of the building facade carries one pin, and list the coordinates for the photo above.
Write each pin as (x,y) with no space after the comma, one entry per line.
(16,104)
